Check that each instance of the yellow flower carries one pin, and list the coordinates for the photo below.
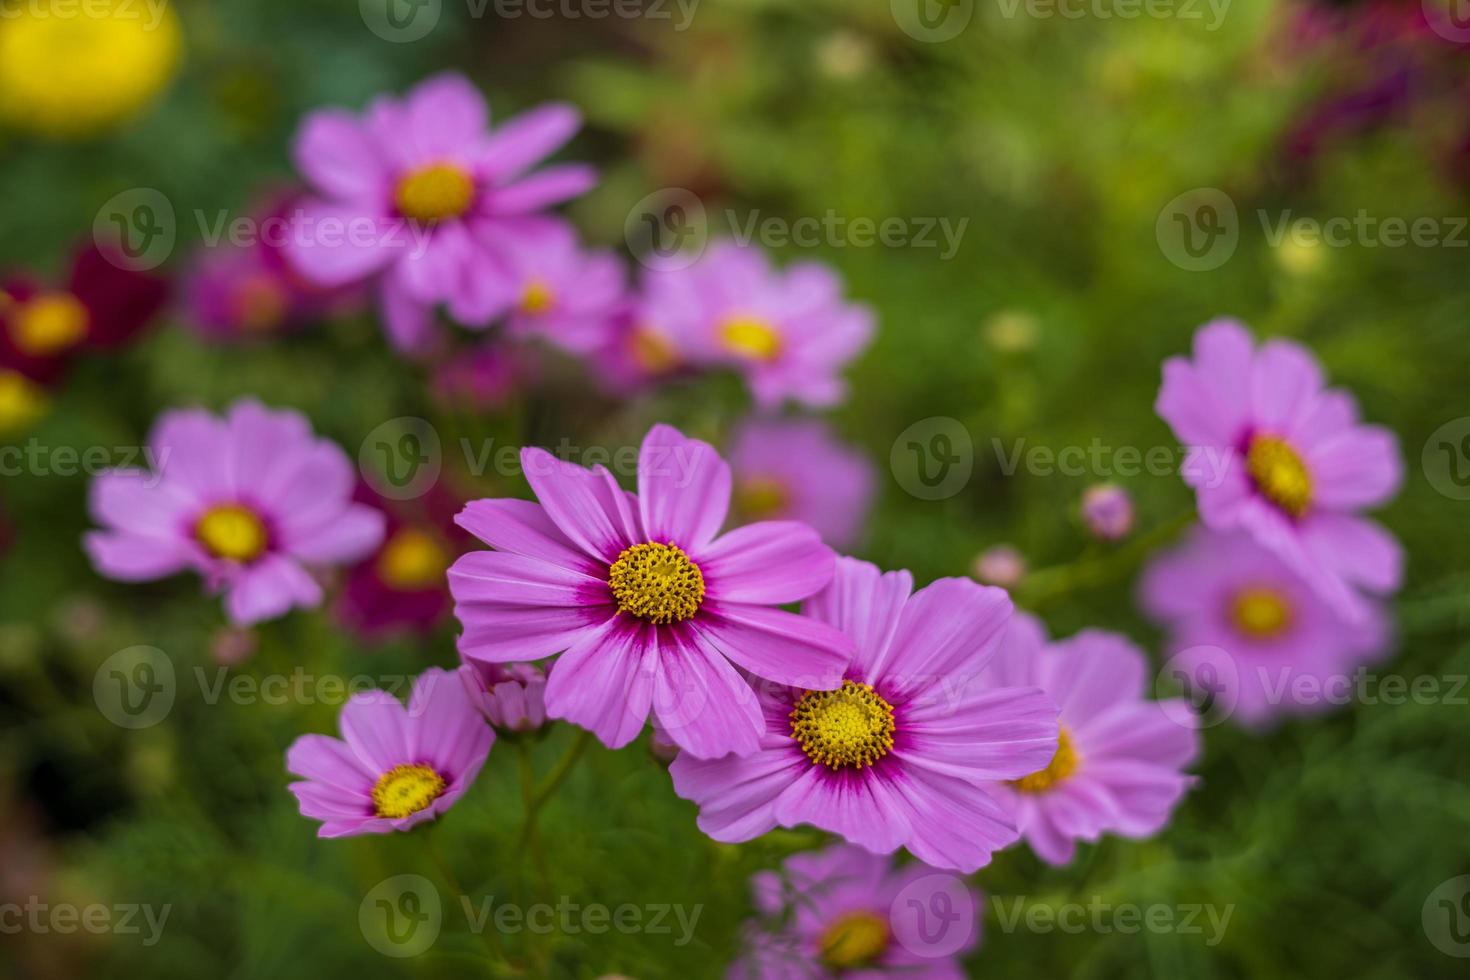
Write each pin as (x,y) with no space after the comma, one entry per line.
(72,67)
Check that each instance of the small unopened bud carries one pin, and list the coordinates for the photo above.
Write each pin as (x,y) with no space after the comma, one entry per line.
(1107,510)
(1000,565)
(512,697)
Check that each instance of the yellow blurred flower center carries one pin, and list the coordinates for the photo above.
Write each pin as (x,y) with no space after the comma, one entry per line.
(70,70)
(405,790)
(652,351)
(1279,473)
(751,337)
(1062,765)
(854,940)
(435,193)
(851,726)
(22,401)
(412,560)
(49,324)
(657,582)
(1260,612)
(261,304)
(232,532)
(537,298)
(762,497)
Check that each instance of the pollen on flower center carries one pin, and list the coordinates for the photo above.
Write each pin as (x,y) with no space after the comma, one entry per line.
(854,939)
(232,532)
(411,560)
(657,582)
(49,324)
(1279,473)
(851,726)
(751,337)
(1260,612)
(406,789)
(537,297)
(1062,765)
(435,193)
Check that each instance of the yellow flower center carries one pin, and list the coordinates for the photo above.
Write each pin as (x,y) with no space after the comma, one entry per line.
(435,193)
(854,940)
(1062,765)
(405,790)
(537,298)
(1260,612)
(652,351)
(851,726)
(49,324)
(261,304)
(751,337)
(1279,473)
(657,582)
(762,497)
(412,560)
(22,401)
(232,532)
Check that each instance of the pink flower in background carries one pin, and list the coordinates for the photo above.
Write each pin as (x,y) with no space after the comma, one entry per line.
(1276,454)
(421,196)
(1291,651)
(789,332)
(647,607)
(563,293)
(484,378)
(401,585)
(639,352)
(249,290)
(1118,764)
(512,697)
(841,912)
(1107,511)
(900,755)
(1000,564)
(796,470)
(247,501)
(394,767)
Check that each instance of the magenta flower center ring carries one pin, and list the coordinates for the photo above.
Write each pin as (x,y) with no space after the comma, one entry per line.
(405,790)
(232,532)
(657,582)
(854,940)
(437,192)
(1260,613)
(851,726)
(1062,765)
(1279,473)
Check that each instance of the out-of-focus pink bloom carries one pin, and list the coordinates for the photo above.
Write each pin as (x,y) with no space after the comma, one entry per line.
(795,470)
(1001,565)
(1107,511)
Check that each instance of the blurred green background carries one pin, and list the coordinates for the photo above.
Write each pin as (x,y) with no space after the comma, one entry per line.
(1061,140)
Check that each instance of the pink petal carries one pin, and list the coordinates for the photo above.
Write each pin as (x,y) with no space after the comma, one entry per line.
(953,824)
(775,645)
(352,536)
(408,323)
(329,761)
(948,630)
(735,794)
(337,244)
(772,563)
(522,527)
(375,726)
(1360,467)
(134,501)
(191,451)
(269,588)
(337,156)
(683,488)
(1092,672)
(853,803)
(509,579)
(586,505)
(699,699)
(1357,549)
(444,727)
(605,682)
(865,604)
(132,558)
(1284,384)
(446,117)
(498,633)
(543,189)
(1001,734)
(521,142)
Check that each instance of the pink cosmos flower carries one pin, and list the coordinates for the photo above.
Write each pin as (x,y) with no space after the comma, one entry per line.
(394,767)
(901,753)
(796,470)
(419,195)
(789,332)
(482,379)
(844,912)
(1276,454)
(563,293)
(247,501)
(512,697)
(1117,765)
(647,607)
(1288,648)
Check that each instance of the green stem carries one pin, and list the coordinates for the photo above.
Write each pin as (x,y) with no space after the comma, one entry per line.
(487,935)
(1048,584)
